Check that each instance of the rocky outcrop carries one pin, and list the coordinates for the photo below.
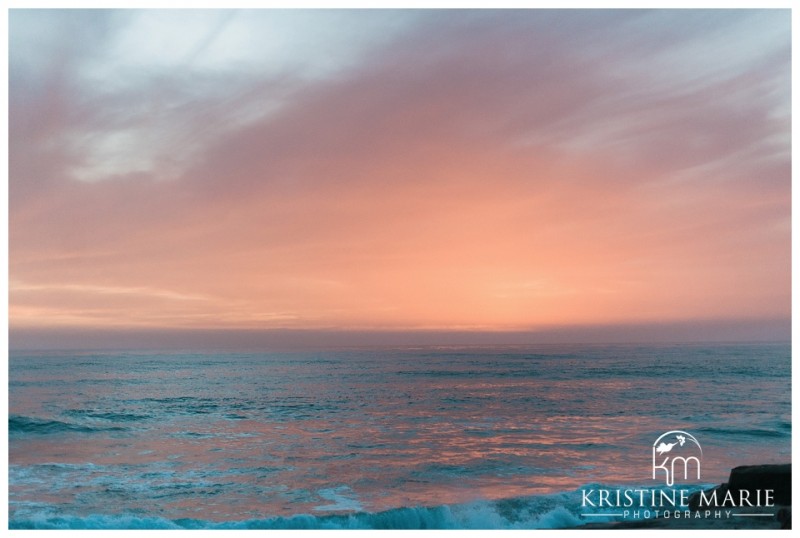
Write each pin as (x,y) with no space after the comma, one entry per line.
(752,479)
(761,477)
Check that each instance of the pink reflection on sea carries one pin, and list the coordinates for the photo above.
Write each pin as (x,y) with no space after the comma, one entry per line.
(249,436)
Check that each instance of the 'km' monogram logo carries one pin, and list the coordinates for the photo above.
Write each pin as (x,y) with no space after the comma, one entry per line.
(676,447)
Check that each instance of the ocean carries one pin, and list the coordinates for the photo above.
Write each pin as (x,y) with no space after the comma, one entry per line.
(403,437)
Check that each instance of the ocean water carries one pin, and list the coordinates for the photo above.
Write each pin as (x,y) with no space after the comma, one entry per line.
(430,437)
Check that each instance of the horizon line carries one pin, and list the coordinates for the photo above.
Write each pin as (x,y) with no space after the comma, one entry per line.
(776,330)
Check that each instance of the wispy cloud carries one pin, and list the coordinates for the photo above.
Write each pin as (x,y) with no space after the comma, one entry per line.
(105,290)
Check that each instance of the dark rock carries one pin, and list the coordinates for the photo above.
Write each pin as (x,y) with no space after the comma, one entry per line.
(785,517)
(755,477)
(751,478)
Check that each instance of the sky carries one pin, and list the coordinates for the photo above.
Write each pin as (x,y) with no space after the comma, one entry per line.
(383,172)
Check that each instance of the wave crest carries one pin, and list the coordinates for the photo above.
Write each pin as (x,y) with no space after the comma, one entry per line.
(18,424)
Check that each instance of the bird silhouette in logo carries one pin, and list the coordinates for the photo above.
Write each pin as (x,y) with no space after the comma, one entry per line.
(664,448)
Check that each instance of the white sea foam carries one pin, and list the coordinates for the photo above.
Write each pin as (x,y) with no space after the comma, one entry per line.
(341,500)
